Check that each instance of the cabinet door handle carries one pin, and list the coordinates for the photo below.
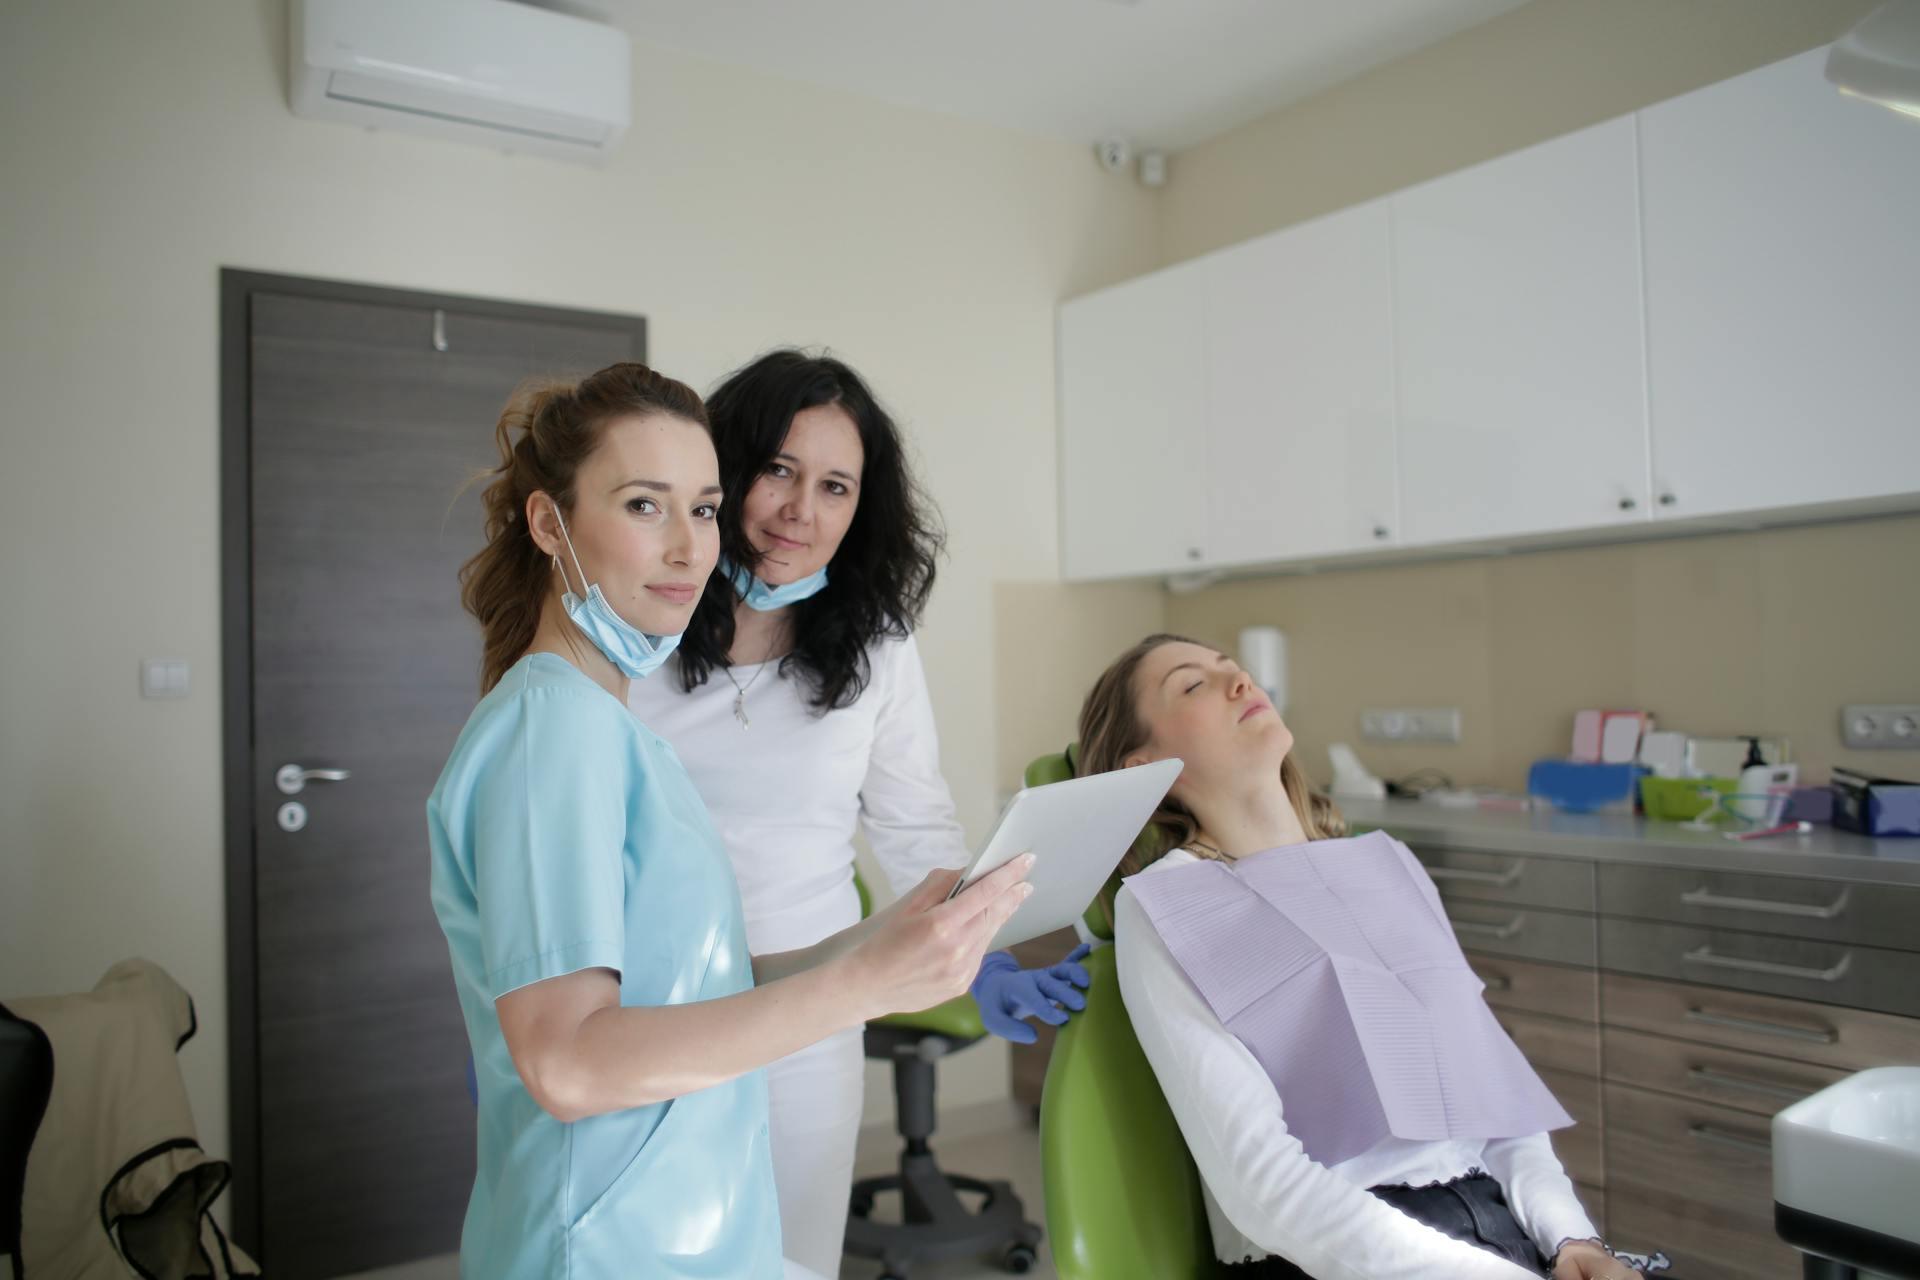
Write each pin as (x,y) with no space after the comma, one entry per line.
(1721,1080)
(1705,897)
(1723,1138)
(1500,879)
(1476,929)
(1705,955)
(1729,1022)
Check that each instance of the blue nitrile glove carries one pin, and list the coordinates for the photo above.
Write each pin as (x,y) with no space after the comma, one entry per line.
(1007,994)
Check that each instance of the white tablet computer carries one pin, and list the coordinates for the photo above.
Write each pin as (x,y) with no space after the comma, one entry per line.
(1078,831)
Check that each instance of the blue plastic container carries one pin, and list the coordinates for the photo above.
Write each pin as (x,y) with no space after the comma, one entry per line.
(1585,788)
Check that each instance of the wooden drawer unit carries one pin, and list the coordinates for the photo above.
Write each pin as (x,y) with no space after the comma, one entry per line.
(1729,1077)
(1554,1044)
(1581,1149)
(1527,987)
(1695,1181)
(1527,933)
(1867,915)
(1857,977)
(1850,1039)
(1564,884)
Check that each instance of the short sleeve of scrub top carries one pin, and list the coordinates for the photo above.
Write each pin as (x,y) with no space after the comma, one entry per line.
(548,820)
(566,836)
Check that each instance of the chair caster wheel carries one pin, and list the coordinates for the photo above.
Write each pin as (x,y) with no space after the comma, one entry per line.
(1018,1259)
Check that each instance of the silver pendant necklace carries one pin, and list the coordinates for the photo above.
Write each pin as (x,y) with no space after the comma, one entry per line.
(740,693)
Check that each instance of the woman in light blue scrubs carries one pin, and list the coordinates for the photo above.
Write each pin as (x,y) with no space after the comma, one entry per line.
(618,1025)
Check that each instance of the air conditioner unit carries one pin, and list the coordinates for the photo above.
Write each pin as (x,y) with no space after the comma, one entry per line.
(501,74)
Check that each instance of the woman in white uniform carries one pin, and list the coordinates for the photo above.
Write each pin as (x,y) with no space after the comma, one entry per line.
(798,704)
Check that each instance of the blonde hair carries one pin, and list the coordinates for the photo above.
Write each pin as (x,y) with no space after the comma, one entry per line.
(546,431)
(1111,730)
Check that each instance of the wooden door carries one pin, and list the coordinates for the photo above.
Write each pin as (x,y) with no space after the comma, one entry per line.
(365,415)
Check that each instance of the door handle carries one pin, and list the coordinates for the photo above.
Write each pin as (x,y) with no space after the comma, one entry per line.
(1472,875)
(1705,897)
(1755,1026)
(292,779)
(1476,929)
(1722,1080)
(1707,956)
(1726,1138)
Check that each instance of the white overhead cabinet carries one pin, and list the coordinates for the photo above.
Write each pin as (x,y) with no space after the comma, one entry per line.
(1783,294)
(1516,302)
(1299,376)
(1705,312)
(1132,369)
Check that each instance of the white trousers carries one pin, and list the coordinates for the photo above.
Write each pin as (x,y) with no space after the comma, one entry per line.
(815,1097)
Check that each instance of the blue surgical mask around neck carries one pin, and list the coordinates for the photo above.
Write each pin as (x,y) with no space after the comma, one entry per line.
(763,598)
(633,651)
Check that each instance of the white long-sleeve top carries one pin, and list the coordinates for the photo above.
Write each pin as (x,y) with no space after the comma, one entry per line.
(788,791)
(1265,1194)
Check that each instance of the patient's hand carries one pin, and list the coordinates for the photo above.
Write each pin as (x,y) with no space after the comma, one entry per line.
(1584,1260)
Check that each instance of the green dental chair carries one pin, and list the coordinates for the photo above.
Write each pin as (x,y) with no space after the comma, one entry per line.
(1123,1196)
(935,1223)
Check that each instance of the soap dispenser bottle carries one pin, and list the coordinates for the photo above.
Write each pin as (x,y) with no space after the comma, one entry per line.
(1751,798)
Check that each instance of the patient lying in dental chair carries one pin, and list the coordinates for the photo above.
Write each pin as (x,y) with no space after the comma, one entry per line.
(1353,1107)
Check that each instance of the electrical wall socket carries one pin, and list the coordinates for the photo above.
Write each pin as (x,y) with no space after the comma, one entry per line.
(1880,726)
(1411,724)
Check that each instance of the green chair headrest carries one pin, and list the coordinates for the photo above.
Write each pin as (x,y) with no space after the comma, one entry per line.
(1059,767)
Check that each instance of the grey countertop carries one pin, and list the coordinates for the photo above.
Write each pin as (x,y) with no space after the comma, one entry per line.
(1824,852)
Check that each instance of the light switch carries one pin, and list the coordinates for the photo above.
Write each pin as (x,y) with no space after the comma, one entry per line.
(164,678)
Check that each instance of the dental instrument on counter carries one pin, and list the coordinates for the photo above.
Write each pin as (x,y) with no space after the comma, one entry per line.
(1784,829)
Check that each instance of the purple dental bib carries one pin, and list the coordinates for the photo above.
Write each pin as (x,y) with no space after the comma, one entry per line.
(1335,965)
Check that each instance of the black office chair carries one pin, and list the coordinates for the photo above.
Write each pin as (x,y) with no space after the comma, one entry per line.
(26,1082)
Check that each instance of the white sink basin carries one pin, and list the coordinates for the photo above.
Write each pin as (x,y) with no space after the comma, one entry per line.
(1851,1153)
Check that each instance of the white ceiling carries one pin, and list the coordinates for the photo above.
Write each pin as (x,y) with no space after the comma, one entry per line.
(1164,73)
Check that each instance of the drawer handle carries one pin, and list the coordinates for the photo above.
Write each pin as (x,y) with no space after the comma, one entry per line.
(1705,897)
(1720,1079)
(1723,1138)
(1706,956)
(1729,1022)
(1500,879)
(1479,930)
(1497,981)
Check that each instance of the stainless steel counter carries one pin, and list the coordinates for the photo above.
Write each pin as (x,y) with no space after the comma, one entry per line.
(1824,853)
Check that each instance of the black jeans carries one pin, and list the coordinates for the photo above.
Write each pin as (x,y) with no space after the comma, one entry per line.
(1473,1209)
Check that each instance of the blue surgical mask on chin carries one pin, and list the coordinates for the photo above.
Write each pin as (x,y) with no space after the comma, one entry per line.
(633,651)
(761,597)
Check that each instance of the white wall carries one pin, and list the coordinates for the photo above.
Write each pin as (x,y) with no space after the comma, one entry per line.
(146,145)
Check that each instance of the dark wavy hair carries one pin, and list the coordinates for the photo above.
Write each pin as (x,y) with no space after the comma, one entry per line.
(879,579)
